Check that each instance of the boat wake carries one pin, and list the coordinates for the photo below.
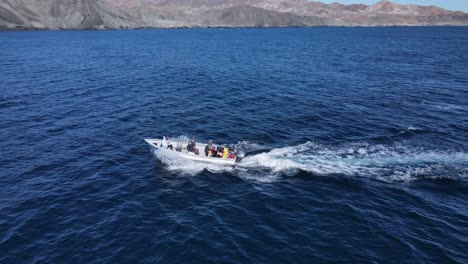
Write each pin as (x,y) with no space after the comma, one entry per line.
(396,162)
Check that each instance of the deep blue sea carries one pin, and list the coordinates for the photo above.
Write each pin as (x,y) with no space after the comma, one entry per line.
(356,143)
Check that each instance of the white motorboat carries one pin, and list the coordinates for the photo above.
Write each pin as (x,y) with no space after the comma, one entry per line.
(227,156)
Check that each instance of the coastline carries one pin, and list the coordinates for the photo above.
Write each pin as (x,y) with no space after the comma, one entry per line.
(218,27)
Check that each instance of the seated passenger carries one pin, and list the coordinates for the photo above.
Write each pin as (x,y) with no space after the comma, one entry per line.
(209,148)
(166,144)
(220,151)
(179,146)
(169,144)
(191,147)
(214,151)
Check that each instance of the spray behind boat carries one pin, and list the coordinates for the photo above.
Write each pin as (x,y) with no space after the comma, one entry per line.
(240,155)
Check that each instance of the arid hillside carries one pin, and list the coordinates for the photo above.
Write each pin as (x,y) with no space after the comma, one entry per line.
(115,14)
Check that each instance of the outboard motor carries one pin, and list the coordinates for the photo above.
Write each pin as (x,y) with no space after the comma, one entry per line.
(239,155)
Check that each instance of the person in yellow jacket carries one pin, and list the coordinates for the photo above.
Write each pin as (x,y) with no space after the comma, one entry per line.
(225,153)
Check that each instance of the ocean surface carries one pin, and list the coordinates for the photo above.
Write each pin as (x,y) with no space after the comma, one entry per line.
(356,143)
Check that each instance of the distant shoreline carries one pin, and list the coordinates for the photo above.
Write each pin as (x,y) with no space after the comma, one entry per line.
(215,27)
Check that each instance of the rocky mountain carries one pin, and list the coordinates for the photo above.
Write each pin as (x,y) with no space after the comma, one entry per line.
(114,14)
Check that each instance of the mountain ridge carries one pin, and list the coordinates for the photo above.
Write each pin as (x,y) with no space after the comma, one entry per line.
(129,14)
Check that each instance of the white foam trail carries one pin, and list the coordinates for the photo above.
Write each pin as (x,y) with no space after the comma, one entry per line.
(385,162)
(276,160)
(395,162)
(249,146)
(446,106)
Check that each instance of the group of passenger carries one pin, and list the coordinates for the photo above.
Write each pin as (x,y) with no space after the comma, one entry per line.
(219,151)
(210,149)
(166,144)
(191,146)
